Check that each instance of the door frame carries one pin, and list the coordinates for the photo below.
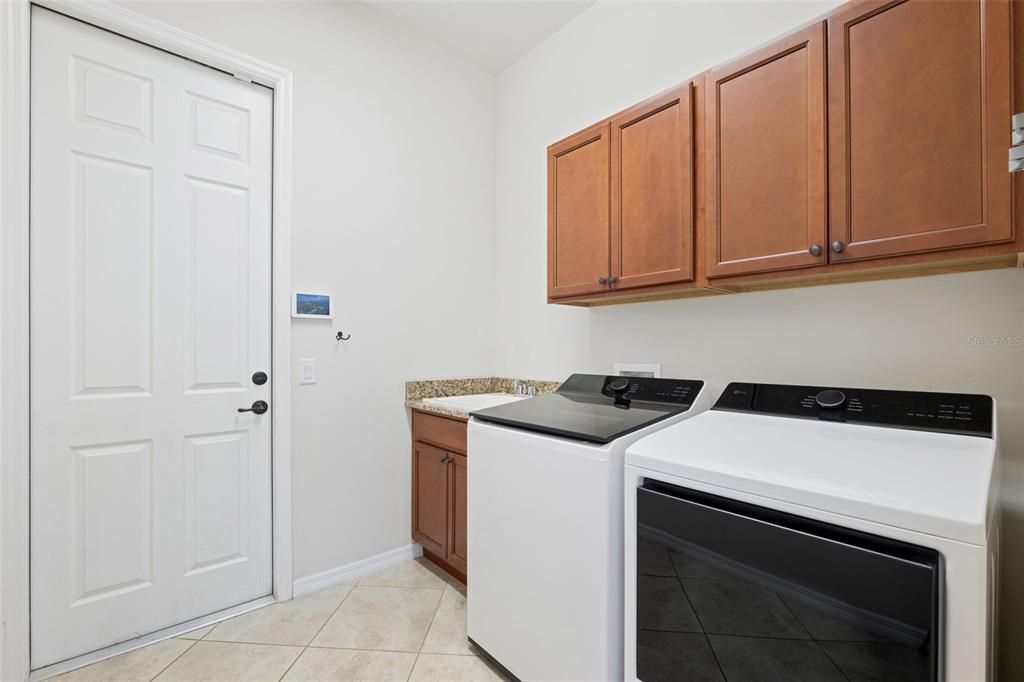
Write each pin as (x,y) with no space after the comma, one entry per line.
(15,79)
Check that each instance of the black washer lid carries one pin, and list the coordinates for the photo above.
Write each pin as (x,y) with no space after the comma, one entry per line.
(584,407)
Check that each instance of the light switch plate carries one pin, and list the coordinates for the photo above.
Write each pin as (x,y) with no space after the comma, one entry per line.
(307,371)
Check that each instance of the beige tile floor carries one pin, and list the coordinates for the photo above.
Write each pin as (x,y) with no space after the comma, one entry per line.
(407,622)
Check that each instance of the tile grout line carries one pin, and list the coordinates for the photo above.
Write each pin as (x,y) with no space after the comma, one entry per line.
(292,664)
(313,638)
(426,634)
(352,586)
(175,659)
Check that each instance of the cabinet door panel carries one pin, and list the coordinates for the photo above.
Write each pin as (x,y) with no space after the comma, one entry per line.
(919,100)
(766,158)
(430,497)
(578,225)
(457,552)
(652,192)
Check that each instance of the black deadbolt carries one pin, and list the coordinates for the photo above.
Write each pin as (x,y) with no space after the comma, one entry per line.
(259,378)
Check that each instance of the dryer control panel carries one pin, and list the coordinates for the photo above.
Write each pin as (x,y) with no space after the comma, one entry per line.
(960,413)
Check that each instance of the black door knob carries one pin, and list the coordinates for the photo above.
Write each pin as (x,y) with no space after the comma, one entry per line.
(258,407)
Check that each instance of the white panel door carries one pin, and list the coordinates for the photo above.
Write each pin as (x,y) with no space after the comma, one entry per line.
(150,307)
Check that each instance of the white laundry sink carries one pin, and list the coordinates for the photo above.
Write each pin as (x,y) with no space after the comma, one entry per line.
(479,401)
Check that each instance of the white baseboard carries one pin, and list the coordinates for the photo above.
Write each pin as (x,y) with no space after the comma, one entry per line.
(357,569)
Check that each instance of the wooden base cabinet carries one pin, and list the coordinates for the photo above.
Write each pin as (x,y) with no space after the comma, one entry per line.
(429,497)
(456,552)
(439,490)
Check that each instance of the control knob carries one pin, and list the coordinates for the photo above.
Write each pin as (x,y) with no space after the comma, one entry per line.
(620,386)
(830,399)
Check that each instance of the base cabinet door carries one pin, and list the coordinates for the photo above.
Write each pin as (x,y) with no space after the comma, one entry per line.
(430,497)
(765,147)
(919,111)
(578,231)
(652,192)
(457,552)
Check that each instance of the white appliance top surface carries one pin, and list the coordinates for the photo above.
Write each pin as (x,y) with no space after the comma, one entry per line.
(933,483)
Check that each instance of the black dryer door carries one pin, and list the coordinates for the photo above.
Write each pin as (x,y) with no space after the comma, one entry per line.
(732,591)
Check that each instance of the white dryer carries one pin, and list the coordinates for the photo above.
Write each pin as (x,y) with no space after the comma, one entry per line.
(808,533)
(545,533)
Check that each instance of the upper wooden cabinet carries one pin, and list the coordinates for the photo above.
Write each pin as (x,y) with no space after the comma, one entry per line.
(766,162)
(578,220)
(652,192)
(919,110)
(621,200)
(868,143)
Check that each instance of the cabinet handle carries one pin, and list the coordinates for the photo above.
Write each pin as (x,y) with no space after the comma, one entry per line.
(613,279)
(815,250)
(446,459)
(602,280)
(838,246)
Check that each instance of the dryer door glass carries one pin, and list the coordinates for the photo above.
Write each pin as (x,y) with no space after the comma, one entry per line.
(731,591)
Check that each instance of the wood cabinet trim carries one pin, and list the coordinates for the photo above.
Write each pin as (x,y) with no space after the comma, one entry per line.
(442,432)
(812,39)
(996,184)
(456,498)
(683,270)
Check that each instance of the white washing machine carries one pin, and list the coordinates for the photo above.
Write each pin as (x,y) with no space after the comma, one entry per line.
(807,533)
(544,514)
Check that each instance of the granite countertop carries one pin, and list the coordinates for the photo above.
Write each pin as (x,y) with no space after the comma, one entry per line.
(417,391)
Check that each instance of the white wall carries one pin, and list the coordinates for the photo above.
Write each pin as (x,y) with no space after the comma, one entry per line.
(914,334)
(393,212)
(400,201)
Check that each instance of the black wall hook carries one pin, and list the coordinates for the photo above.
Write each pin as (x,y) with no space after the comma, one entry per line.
(342,337)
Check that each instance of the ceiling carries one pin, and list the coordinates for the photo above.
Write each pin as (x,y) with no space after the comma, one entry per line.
(491,33)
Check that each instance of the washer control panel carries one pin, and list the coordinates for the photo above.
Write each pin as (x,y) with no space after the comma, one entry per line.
(645,389)
(961,413)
